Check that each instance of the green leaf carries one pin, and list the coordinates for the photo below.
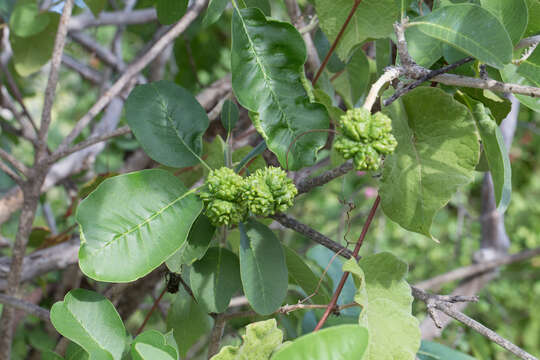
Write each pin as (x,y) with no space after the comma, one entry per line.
(533,26)
(195,246)
(437,152)
(262,267)
(323,46)
(96,6)
(383,54)
(354,80)
(137,220)
(170,11)
(470,29)
(424,49)
(188,320)
(434,351)
(511,74)
(75,352)
(90,320)
(6,9)
(253,153)
(258,343)
(344,342)
(512,14)
(229,115)
(26,19)
(496,154)
(372,19)
(530,68)
(32,52)
(215,278)
(214,11)
(270,85)
(301,275)
(152,345)
(386,301)
(168,122)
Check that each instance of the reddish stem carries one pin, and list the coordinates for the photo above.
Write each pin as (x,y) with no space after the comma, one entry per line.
(339,288)
(156,303)
(335,43)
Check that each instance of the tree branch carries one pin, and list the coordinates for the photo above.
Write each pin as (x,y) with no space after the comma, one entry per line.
(291,223)
(132,70)
(85,71)
(134,17)
(476,269)
(443,304)
(307,185)
(216,334)
(13,161)
(25,306)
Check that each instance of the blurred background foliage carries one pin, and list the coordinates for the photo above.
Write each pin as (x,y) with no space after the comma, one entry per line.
(509,304)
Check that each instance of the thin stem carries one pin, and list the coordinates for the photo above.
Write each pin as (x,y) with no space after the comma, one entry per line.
(216,334)
(152,309)
(359,243)
(336,42)
(25,306)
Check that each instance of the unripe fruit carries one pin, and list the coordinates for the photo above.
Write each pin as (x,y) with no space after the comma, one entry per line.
(269,191)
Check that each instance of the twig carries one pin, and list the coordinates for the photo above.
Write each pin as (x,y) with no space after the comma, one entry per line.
(154,306)
(216,334)
(87,20)
(389,74)
(313,23)
(89,142)
(345,275)
(132,70)
(25,306)
(13,161)
(312,234)
(405,89)
(476,269)
(443,304)
(101,52)
(336,41)
(307,185)
(12,174)
(85,71)
(287,309)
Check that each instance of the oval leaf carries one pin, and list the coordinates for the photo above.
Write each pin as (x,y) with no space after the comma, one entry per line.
(90,320)
(353,82)
(267,77)
(437,152)
(137,220)
(214,11)
(195,246)
(32,52)
(262,267)
(434,351)
(168,122)
(215,278)
(470,29)
(344,342)
(152,345)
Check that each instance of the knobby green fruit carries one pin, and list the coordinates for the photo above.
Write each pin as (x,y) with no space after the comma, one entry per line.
(268,191)
(223,197)
(364,138)
(229,198)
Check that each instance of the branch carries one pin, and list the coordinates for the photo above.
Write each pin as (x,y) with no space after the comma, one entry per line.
(12,174)
(287,309)
(443,304)
(13,161)
(101,52)
(85,71)
(87,19)
(291,223)
(91,141)
(25,306)
(216,334)
(476,269)
(134,69)
(50,90)
(389,74)
(307,185)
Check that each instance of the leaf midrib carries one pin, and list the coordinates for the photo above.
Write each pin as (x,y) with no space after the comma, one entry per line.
(265,76)
(458,35)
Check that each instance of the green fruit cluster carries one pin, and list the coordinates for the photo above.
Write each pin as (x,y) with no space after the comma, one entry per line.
(364,138)
(229,198)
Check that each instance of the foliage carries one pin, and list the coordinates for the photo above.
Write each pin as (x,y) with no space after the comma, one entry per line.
(229,155)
